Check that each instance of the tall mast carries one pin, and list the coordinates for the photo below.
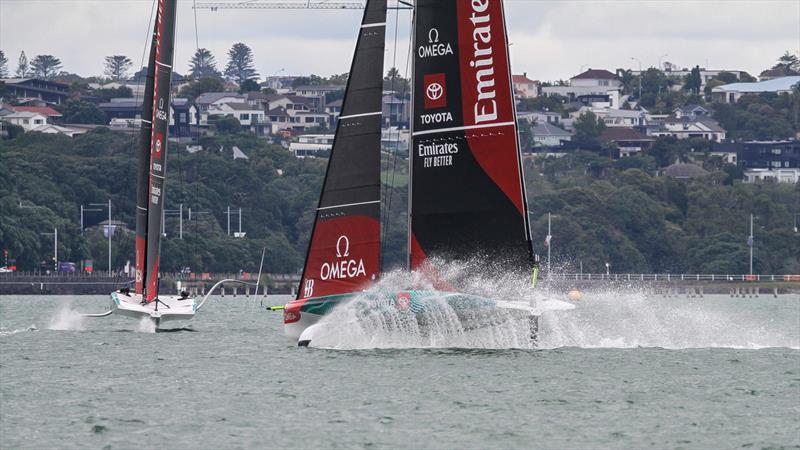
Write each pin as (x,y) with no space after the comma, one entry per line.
(164,44)
(143,169)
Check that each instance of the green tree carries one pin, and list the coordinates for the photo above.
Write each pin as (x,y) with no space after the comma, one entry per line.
(203,65)
(249,86)
(788,63)
(23,69)
(241,65)
(201,86)
(588,128)
(228,125)
(117,67)
(693,81)
(76,111)
(45,66)
(3,65)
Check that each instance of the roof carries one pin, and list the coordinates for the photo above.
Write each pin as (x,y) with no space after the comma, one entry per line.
(279,111)
(241,107)
(773,85)
(708,122)
(616,134)
(257,95)
(689,108)
(595,74)
(211,97)
(521,79)
(327,87)
(685,170)
(45,110)
(548,129)
(22,115)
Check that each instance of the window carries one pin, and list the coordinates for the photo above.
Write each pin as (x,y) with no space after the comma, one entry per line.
(37,121)
(244,116)
(25,121)
(776,151)
(309,120)
(776,164)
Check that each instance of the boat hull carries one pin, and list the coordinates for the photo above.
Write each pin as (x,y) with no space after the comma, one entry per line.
(168,308)
(299,315)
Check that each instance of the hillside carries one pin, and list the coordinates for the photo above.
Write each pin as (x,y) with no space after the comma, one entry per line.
(603,211)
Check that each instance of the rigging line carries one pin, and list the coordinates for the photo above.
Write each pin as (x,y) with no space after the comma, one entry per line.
(196,34)
(409,56)
(388,188)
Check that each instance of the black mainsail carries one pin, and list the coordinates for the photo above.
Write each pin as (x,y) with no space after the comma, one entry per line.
(143,170)
(344,251)
(164,40)
(467,194)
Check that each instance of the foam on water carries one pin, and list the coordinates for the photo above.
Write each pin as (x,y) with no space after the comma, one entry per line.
(65,318)
(621,317)
(146,325)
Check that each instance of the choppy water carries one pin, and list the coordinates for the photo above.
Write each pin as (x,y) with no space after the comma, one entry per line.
(620,371)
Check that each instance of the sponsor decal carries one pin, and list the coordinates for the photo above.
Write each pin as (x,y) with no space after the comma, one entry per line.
(440,117)
(435,154)
(158,143)
(290,316)
(344,267)
(403,301)
(435,90)
(308,289)
(485,107)
(433,47)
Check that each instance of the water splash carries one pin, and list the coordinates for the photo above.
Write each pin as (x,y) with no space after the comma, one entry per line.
(613,317)
(65,318)
(146,325)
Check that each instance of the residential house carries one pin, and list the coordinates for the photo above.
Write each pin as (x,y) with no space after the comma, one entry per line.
(334,109)
(312,145)
(246,115)
(36,121)
(731,93)
(706,75)
(280,119)
(125,113)
(627,141)
(48,91)
(289,102)
(546,134)
(47,111)
(395,109)
(183,114)
(686,127)
(685,171)
(593,87)
(613,117)
(539,117)
(395,138)
(766,160)
(205,101)
(317,94)
(691,111)
(524,87)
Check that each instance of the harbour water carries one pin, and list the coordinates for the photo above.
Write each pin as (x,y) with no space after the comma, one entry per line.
(620,371)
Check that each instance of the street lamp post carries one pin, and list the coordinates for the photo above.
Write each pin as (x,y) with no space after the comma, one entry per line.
(55,247)
(608,269)
(108,229)
(640,78)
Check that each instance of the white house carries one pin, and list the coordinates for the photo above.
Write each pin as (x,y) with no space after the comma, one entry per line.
(246,115)
(205,101)
(592,86)
(539,117)
(773,175)
(613,117)
(685,127)
(25,119)
(524,87)
(308,145)
(548,135)
(731,93)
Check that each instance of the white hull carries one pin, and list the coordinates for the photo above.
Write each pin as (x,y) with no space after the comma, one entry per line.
(167,308)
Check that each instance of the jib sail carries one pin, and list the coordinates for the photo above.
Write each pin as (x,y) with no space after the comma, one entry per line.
(344,251)
(467,194)
(164,40)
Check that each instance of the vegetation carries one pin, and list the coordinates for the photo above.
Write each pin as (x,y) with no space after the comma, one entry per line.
(203,65)
(241,65)
(3,65)
(117,67)
(603,210)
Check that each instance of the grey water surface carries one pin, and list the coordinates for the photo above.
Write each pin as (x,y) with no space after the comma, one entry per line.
(721,373)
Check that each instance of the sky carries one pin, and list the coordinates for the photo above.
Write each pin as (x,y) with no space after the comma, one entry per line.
(550,39)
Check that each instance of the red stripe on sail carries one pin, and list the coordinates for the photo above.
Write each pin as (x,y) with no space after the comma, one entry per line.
(152,285)
(344,256)
(486,94)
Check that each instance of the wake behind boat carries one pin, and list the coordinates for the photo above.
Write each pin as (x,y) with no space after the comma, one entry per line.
(467,193)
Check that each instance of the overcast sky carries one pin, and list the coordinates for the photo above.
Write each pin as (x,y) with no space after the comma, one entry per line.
(551,39)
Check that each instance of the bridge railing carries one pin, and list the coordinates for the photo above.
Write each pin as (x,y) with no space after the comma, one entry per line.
(669,277)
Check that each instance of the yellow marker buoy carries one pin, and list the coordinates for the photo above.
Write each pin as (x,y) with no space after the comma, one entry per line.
(575,295)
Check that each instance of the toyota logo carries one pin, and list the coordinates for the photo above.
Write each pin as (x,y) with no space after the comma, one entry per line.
(434,91)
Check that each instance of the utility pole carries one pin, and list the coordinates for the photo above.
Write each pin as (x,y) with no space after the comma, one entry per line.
(180,223)
(547,242)
(229,220)
(109,228)
(750,243)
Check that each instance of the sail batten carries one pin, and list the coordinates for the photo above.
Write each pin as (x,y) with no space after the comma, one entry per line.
(467,197)
(344,250)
